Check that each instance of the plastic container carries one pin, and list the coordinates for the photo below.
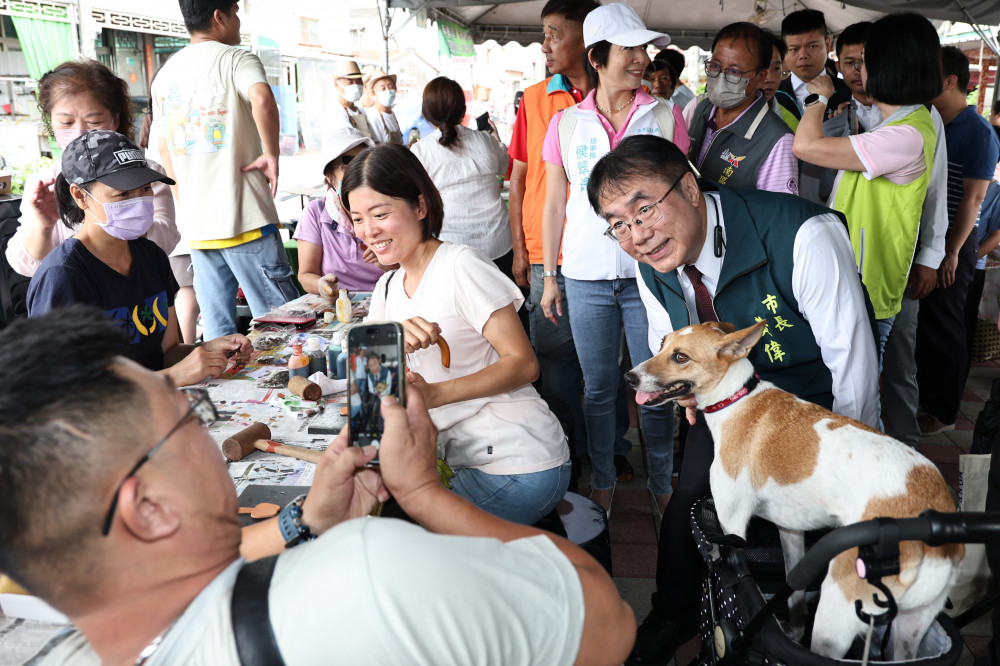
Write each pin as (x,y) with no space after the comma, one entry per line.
(317,359)
(298,363)
(344,312)
(332,352)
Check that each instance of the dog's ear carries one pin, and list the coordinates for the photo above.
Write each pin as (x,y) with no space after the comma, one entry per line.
(737,345)
(723,326)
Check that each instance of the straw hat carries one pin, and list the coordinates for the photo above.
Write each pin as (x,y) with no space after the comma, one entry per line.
(346,69)
(373,74)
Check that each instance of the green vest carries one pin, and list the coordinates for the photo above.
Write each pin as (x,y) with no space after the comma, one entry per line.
(756,285)
(884,218)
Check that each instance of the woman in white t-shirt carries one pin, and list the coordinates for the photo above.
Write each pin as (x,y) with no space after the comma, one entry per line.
(507,450)
(463,165)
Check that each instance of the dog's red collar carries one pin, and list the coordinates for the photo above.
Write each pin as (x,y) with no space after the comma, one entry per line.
(749,386)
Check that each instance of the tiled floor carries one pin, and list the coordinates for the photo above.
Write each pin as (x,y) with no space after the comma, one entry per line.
(633,536)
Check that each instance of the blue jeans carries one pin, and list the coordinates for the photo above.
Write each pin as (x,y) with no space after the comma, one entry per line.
(260,267)
(599,309)
(884,328)
(559,370)
(519,498)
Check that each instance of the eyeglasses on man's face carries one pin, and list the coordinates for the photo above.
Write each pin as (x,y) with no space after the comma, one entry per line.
(202,410)
(733,75)
(856,63)
(646,217)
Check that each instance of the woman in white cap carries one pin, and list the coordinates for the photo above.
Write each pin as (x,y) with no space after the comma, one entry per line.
(105,193)
(331,257)
(382,89)
(599,277)
(346,113)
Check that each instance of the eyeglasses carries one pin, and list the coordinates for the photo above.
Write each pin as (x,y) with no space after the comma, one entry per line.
(733,75)
(203,412)
(857,64)
(646,217)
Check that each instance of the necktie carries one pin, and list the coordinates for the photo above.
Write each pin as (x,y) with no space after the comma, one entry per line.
(702,299)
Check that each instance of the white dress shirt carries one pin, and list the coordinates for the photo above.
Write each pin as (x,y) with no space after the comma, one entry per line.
(826,285)
(801,92)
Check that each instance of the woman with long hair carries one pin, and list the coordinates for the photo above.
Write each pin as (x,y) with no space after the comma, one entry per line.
(464,165)
(507,450)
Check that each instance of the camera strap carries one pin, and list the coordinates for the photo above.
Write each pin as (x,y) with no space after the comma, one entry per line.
(256,644)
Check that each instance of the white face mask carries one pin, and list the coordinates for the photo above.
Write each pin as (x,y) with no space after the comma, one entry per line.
(724,94)
(352,93)
(386,97)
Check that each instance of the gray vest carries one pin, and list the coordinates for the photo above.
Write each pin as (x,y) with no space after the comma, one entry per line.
(738,150)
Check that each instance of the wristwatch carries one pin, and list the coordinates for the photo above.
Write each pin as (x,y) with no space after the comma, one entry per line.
(546,274)
(816,99)
(290,522)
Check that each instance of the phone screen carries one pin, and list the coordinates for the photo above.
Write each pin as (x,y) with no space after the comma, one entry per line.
(376,368)
(483,122)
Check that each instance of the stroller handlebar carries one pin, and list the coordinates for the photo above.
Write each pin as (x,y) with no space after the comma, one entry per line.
(932,527)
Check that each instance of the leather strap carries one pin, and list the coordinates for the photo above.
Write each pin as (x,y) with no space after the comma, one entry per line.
(256,644)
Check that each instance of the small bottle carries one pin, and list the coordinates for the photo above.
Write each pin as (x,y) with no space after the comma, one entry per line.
(317,359)
(342,359)
(344,313)
(332,352)
(298,363)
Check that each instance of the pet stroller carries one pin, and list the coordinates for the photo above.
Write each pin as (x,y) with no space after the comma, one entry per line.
(739,626)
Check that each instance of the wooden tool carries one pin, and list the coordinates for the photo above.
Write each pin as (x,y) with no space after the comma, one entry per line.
(258,437)
(262,510)
(304,388)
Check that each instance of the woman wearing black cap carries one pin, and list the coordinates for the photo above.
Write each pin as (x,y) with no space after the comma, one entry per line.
(105,191)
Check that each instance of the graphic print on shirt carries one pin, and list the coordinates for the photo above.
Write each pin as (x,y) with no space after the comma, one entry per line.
(143,319)
(198,125)
(735,160)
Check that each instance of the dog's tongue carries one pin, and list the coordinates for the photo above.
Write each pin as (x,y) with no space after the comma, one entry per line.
(641,397)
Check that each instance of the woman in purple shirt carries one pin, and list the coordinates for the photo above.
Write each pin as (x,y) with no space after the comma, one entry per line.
(331,257)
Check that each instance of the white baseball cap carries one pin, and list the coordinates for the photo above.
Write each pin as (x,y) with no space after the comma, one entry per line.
(341,140)
(619,24)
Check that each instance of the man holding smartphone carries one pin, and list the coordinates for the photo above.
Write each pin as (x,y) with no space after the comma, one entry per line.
(107,442)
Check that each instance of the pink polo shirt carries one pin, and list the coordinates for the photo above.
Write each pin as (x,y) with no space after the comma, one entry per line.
(552,151)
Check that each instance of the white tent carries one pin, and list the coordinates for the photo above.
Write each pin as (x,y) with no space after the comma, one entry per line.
(691,22)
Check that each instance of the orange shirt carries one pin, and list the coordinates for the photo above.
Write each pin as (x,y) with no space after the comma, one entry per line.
(539,103)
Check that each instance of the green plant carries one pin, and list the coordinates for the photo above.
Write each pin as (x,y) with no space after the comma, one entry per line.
(20,174)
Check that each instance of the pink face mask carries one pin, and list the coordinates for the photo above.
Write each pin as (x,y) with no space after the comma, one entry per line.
(65,135)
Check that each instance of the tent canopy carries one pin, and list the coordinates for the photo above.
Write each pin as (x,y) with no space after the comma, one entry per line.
(690,22)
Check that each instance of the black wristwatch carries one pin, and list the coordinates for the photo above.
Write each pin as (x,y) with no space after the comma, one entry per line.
(290,521)
(815,99)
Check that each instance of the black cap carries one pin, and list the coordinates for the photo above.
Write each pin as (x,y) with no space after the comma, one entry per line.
(110,158)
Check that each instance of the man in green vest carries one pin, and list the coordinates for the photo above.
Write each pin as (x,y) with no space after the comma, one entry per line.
(741,256)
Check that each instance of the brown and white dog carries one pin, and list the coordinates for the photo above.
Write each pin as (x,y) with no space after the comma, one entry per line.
(803,467)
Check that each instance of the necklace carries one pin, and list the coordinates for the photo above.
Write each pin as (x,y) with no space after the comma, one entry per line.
(153,646)
(606,112)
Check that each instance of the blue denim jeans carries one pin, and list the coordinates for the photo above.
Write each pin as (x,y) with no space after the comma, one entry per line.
(519,498)
(260,267)
(599,310)
(884,328)
(559,370)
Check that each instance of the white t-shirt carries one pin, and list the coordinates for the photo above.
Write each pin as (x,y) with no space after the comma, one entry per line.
(381,591)
(466,177)
(507,433)
(201,98)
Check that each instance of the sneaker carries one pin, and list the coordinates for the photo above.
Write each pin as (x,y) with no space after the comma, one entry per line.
(623,468)
(929,425)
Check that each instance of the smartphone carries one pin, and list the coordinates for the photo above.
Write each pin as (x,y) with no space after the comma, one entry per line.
(483,122)
(376,368)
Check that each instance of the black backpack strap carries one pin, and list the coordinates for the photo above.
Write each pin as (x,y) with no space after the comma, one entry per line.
(392,274)
(252,630)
